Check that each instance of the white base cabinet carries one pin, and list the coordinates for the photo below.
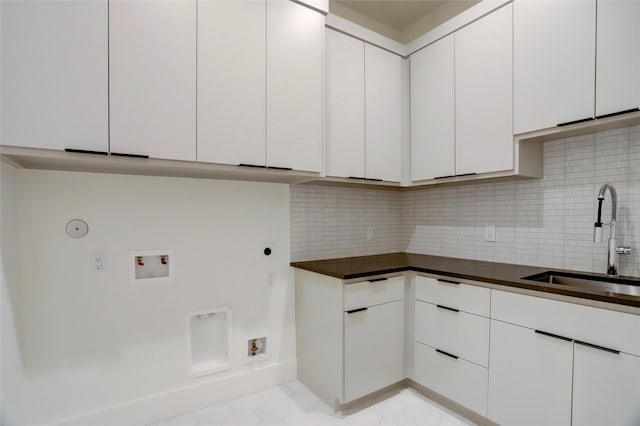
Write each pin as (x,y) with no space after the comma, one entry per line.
(451,348)
(453,377)
(349,336)
(529,377)
(373,348)
(572,365)
(606,387)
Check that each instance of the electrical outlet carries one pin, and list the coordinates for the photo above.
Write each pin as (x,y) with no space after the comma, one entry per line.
(490,233)
(99,264)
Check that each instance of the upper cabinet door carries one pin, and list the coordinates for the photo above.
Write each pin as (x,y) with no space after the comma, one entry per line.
(618,56)
(345,105)
(152,66)
(231,81)
(383,109)
(554,62)
(54,74)
(484,94)
(432,110)
(295,36)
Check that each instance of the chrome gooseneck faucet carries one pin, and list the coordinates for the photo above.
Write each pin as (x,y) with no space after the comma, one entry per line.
(614,250)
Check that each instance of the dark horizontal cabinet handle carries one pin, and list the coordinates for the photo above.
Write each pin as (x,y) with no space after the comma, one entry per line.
(375,280)
(444,177)
(257,166)
(85,151)
(446,353)
(122,154)
(582,120)
(356,177)
(467,174)
(278,168)
(373,179)
(555,336)
(613,114)
(353,311)
(602,348)
(448,282)
(447,308)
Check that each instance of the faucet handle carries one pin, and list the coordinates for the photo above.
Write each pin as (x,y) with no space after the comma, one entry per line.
(623,250)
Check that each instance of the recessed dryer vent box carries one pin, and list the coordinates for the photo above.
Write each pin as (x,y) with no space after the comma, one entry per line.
(209,341)
(151,266)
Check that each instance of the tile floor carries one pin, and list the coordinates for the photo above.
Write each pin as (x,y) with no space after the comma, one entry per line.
(293,404)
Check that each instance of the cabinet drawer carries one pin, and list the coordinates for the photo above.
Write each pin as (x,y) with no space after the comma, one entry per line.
(449,292)
(457,379)
(602,327)
(373,292)
(460,333)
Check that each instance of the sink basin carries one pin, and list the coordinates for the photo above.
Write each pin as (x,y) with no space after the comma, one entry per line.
(618,285)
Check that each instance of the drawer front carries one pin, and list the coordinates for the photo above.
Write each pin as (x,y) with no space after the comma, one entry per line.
(459,333)
(457,379)
(374,292)
(602,327)
(445,291)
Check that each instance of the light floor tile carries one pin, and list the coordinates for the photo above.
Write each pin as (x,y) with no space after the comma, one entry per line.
(293,404)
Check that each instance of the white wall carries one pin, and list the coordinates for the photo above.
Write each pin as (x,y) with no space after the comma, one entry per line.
(10,364)
(89,340)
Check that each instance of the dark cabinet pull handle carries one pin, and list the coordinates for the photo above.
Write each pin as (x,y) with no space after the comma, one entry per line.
(278,168)
(122,154)
(373,179)
(447,308)
(602,348)
(356,177)
(582,120)
(467,174)
(444,177)
(353,311)
(446,353)
(448,281)
(256,166)
(375,280)
(85,151)
(613,114)
(555,336)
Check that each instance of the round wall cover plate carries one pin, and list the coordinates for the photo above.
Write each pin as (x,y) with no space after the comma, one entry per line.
(77,228)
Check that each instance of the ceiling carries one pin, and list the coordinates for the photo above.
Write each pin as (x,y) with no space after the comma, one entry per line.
(401,20)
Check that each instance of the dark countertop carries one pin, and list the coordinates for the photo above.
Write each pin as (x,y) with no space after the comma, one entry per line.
(490,272)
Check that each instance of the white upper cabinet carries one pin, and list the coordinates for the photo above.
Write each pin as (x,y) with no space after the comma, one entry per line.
(364,110)
(383,112)
(484,94)
(295,44)
(554,62)
(54,74)
(152,68)
(432,111)
(618,56)
(231,81)
(345,105)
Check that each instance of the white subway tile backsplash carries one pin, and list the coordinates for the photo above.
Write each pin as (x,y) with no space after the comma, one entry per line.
(544,222)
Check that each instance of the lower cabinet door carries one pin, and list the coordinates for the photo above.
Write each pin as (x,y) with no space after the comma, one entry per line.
(606,388)
(530,377)
(457,379)
(373,349)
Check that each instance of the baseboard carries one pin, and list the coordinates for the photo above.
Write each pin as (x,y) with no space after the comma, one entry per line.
(177,401)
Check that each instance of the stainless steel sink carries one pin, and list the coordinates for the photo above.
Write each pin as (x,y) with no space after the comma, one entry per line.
(616,285)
